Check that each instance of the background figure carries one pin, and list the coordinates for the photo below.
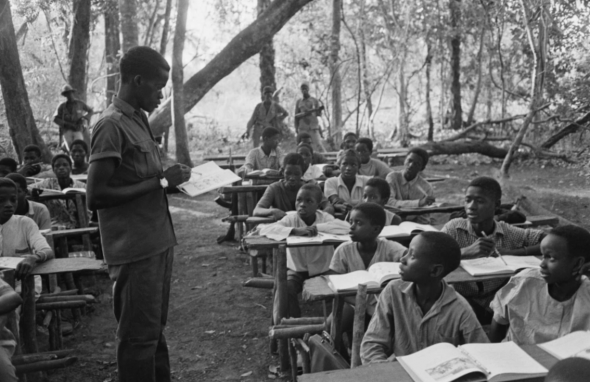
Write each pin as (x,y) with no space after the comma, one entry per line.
(307,111)
(72,117)
(266,114)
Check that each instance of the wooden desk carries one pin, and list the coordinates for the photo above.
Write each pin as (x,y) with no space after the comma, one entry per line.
(244,200)
(394,372)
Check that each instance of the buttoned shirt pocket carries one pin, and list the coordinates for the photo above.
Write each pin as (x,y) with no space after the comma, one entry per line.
(146,159)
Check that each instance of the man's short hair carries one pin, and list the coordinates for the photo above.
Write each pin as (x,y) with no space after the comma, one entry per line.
(317,191)
(267,89)
(61,156)
(18,179)
(5,182)
(347,154)
(305,145)
(574,369)
(576,238)
(141,61)
(490,186)
(32,149)
(293,159)
(381,185)
(442,249)
(421,153)
(270,132)
(80,142)
(372,211)
(367,142)
(349,134)
(10,163)
(302,136)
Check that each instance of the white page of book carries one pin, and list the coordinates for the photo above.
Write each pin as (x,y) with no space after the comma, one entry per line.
(576,344)
(352,280)
(293,240)
(393,231)
(10,262)
(485,266)
(207,177)
(411,226)
(503,358)
(334,237)
(519,262)
(379,270)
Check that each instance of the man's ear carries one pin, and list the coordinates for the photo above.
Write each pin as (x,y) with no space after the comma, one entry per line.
(137,80)
(377,229)
(437,270)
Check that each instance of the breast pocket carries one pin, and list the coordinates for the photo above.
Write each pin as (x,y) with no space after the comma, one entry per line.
(146,159)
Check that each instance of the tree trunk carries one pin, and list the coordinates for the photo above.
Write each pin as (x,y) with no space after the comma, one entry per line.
(112,46)
(182,151)
(21,122)
(152,24)
(365,70)
(78,50)
(244,45)
(164,39)
(565,131)
(456,110)
(402,95)
(267,57)
(479,77)
(429,119)
(128,19)
(335,72)
(456,148)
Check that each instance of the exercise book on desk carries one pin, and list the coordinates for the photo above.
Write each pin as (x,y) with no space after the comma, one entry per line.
(207,177)
(10,262)
(374,277)
(405,229)
(320,238)
(575,344)
(444,362)
(484,266)
(69,190)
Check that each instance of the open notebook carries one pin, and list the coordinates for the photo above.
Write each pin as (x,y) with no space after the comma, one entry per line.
(575,344)
(207,177)
(405,229)
(495,266)
(320,238)
(69,190)
(377,275)
(472,362)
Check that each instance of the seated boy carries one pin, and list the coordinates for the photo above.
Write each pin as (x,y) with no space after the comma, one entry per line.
(573,369)
(36,211)
(303,262)
(540,305)
(421,310)
(366,222)
(280,196)
(7,166)
(370,166)
(267,156)
(348,143)
(377,191)
(409,188)
(310,171)
(33,163)
(317,158)
(9,301)
(346,190)
(79,153)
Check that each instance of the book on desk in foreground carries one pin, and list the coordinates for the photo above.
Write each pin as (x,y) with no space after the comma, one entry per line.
(444,362)
(575,344)
(405,229)
(207,177)
(320,238)
(377,275)
(484,266)
(69,190)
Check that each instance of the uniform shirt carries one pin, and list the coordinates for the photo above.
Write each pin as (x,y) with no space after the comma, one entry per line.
(141,227)
(399,328)
(406,193)
(309,122)
(62,211)
(72,112)
(278,196)
(533,315)
(335,186)
(375,167)
(258,160)
(40,214)
(261,118)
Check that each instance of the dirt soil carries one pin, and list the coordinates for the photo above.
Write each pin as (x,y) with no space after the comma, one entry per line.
(217,329)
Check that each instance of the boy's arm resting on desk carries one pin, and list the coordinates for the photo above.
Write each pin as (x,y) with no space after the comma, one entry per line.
(264,206)
(38,244)
(533,250)
(377,345)
(277,231)
(9,299)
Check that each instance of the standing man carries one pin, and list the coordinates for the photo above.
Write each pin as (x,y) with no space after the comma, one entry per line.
(307,111)
(72,117)
(266,114)
(127,185)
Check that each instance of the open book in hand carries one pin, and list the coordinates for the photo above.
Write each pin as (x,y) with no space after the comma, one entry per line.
(444,362)
(207,177)
(265,172)
(575,344)
(405,229)
(320,238)
(484,266)
(69,190)
(377,275)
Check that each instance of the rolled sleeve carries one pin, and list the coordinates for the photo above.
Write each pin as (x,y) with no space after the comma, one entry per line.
(36,241)
(107,141)
(499,304)
(532,237)
(331,187)
(377,343)
(267,199)
(338,263)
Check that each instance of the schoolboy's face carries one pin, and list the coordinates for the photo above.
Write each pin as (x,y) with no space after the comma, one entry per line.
(363,152)
(349,142)
(371,194)
(31,157)
(307,141)
(293,175)
(413,164)
(558,266)
(304,152)
(306,203)
(479,205)
(361,228)
(348,168)
(8,203)
(416,265)
(271,142)
(62,168)
(78,154)
(4,170)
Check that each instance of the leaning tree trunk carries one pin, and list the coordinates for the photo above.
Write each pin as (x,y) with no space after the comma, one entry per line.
(402,97)
(182,151)
(267,57)
(365,69)
(335,72)
(479,77)
(164,39)
(78,50)
(429,118)
(112,45)
(21,122)
(129,21)
(456,110)
(244,45)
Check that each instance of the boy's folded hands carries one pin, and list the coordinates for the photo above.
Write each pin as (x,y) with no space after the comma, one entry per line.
(305,231)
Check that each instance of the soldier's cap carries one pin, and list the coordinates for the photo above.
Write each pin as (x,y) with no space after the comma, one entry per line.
(267,89)
(67,89)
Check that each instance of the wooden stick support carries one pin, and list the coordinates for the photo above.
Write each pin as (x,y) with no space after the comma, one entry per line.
(259,282)
(27,324)
(88,298)
(295,331)
(46,365)
(303,321)
(358,330)
(304,351)
(293,361)
(41,356)
(282,301)
(61,305)
(336,329)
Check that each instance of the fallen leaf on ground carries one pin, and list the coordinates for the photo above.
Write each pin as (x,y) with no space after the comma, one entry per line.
(247,374)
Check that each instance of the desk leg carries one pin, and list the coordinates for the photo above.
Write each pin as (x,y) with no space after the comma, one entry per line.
(336,329)
(282,301)
(28,326)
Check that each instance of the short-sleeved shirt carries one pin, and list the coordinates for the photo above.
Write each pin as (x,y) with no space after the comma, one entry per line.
(142,227)
(62,211)
(335,186)
(389,216)
(406,193)
(258,160)
(309,122)
(399,328)
(375,167)
(533,315)
(262,118)
(40,214)
(72,112)
(277,195)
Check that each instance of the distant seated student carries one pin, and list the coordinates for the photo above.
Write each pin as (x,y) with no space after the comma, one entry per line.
(7,166)
(370,166)
(79,153)
(348,143)
(311,171)
(409,188)
(366,222)
(281,196)
(317,158)
(421,310)
(573,369)
(540,305)
(33,163)
(303,262)
(36,211)
(9,301)
(346,190)
(268,155)
(377,191)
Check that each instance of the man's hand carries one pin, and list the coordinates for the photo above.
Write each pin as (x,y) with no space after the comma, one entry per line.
(29,170)
(177,174)
(305,231)
(482,247)
(25,267)
(426,201)
(277,214)
(246,135)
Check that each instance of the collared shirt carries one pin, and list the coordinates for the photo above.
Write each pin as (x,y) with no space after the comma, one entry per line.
(40,214)
(258,160)
(261,118)
(399,327)
(375,167)
(309,122)
(406,193)
(141,227)
(72,112)
(277,195)
(20,236)
(533,315)
(62,211)
(336,186)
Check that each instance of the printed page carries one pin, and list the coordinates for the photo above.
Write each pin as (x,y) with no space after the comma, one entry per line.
(384,271)
(10,262)
(439,363)
(207,177)
(390,231)
(297,240)
(576,344)
(485,266)
(350,281)
(73,190)
(519,262)
(411,226)
(333,238)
